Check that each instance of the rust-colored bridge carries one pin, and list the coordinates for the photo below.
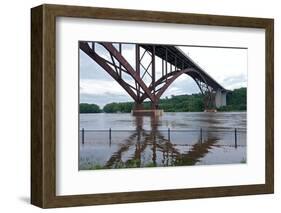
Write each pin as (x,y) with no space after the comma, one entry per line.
(174,64)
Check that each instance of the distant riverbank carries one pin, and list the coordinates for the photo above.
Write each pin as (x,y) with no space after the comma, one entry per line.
(236,101)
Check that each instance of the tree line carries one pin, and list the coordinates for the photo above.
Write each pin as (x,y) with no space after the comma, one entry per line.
(236,101)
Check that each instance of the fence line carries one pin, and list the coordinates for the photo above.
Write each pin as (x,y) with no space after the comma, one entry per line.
(235,130)
(164,130)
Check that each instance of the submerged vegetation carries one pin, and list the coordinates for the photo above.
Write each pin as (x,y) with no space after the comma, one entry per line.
(236,101)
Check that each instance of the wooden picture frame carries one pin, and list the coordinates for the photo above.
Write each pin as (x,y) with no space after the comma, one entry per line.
(43,105)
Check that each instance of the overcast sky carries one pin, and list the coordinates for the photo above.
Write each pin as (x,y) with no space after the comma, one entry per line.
(227,66)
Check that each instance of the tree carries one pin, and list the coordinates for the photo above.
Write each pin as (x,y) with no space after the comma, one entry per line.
(89,108)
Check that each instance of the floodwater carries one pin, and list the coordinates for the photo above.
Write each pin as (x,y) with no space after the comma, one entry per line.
(121,140)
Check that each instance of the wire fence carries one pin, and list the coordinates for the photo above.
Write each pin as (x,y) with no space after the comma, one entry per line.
(235,137)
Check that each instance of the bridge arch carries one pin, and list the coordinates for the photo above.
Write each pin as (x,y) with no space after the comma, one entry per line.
(171,55)
(172,76)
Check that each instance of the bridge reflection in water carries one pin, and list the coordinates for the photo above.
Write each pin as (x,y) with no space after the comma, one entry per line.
(108,149)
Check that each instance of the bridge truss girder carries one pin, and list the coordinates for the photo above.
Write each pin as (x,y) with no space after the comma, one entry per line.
(139,91)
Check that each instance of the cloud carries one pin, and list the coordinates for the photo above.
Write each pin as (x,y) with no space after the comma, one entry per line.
(102,92)
(234,82)
(220,63)
(89,69)
(182,85)
(100,87)
(103,100)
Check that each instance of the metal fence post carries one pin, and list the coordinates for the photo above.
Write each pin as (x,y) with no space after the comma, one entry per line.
(201,137)
(169,134)
(235,136)
(83,135)
(110,135)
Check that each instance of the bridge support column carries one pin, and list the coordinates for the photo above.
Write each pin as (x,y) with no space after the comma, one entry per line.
(139,110)
(138,106)
(220,98)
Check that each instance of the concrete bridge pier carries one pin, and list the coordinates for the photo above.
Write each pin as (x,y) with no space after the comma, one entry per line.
(220,98)
(139,110)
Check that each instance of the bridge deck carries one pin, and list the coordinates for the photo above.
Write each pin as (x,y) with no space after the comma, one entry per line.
(178,58)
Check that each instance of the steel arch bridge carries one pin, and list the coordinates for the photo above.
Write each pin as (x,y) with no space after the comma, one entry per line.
(174,64)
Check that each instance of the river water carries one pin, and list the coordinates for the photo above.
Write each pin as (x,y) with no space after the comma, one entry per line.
(121,140)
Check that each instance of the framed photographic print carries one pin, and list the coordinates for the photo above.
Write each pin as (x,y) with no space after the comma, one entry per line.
(136,106)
